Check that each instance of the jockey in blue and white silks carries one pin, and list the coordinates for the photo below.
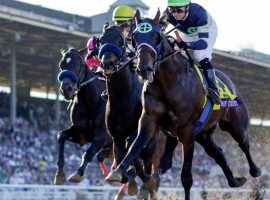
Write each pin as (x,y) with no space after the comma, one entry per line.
(199,32)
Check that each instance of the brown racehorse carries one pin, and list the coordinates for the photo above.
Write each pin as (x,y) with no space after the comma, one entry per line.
(173,100)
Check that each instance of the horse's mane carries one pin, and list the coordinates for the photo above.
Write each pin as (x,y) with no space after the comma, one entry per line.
(112,27)
(168,41)
(71,50)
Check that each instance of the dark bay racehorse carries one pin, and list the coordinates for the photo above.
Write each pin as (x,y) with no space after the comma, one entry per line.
(124,105)
(173,100)
(87,114)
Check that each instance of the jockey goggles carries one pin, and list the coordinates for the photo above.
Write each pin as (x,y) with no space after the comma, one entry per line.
(175,9)
(124,24)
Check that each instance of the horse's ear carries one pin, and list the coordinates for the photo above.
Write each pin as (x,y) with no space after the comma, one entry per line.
(138,18)
(63,51)
(106,25)
(162,22)
(156,19)
(98,42)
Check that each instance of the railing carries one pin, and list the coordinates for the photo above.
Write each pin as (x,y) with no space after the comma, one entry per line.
(52,192)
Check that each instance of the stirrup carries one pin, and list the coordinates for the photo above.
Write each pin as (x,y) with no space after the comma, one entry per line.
(214,96)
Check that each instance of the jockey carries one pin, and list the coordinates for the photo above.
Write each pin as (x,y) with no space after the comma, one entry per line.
(91,57)
(199,34)
(123,16)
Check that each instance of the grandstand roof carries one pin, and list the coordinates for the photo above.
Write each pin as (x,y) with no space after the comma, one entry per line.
(47,15)
(40,37)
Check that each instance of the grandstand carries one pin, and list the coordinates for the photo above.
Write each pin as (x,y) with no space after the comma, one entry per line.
(31,38)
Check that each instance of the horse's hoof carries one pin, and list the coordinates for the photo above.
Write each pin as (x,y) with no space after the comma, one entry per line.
(60,179)
(151,184)
(113,176)
(148,188)
(132,188)
(255,172)
(143,193)
(119,196)
(157,180)
(75,178)
(153,195)
(238,182)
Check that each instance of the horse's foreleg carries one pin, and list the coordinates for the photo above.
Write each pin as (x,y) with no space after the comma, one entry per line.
(205,139)
(167,157)
(146,131)
(97,143)
(60,177)
(101,155)
(155,150)
(119,150)
(119,153)
(187,140)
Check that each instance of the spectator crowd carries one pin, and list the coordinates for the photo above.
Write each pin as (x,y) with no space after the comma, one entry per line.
(29,151)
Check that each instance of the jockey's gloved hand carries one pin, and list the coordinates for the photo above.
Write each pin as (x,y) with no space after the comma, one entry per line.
(171,39)
(163,24)
(183,45)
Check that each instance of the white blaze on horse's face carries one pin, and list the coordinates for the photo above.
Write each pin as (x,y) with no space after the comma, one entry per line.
(68,59)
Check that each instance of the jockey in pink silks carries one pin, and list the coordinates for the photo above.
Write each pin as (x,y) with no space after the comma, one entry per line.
(91,57)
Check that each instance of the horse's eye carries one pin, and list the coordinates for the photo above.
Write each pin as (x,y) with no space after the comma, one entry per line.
(156,37)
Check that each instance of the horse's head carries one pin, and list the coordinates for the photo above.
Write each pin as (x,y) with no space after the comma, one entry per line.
(147,38)
(72,72)
(112,50)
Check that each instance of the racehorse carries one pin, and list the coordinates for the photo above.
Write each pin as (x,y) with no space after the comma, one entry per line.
(124,105)
(80,85)
(173,99)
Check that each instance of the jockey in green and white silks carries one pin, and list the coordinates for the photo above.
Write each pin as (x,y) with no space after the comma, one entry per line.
(199,32)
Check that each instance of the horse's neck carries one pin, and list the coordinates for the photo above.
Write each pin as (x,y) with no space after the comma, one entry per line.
(174,66)
(90,92)
(120,84)
(174,71)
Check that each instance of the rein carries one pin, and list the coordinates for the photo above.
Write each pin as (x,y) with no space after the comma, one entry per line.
(124,65)
(83,84)
(158,62)
(91,79)
(178,25)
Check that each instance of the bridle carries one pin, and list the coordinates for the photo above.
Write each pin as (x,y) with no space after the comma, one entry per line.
(120,52)
(142,37)
(79,79)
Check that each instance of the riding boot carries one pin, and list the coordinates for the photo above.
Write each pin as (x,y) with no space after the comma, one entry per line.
(210,76)
(104,95)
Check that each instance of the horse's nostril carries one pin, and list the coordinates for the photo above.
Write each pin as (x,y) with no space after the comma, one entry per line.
(69,88)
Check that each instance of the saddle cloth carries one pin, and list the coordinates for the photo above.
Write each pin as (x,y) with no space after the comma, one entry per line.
(228,100)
